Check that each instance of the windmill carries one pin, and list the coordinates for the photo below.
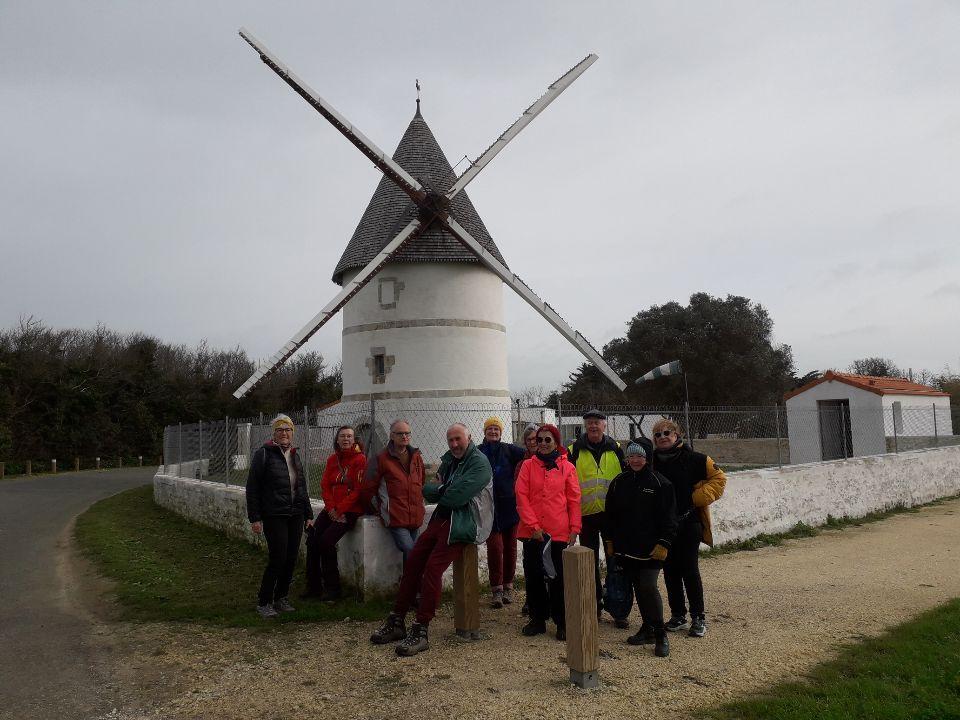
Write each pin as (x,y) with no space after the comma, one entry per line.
(422,222)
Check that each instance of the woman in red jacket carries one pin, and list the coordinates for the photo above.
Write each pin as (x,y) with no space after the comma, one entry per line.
(341,490)
(548,500)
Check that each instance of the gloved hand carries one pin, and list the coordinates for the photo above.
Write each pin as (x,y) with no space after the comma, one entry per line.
(659,552)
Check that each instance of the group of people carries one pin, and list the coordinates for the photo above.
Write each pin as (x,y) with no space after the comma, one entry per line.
(645,506)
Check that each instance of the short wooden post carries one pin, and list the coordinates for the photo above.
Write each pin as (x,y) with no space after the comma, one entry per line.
(76,464)
(580,599)
(98,462)
(53,466)
(3,469)
(29,467)
(120,462)
(140,460)
(466,594)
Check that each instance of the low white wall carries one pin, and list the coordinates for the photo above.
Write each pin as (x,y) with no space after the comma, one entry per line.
(755,502)
(773,501)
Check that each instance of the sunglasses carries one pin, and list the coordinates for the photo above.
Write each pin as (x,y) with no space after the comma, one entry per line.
(663,433)
(545,440)
(405,434)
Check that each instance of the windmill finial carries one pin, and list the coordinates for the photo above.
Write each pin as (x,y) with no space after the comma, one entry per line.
(418,96)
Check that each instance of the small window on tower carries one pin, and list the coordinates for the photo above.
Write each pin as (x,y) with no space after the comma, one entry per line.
(379,365)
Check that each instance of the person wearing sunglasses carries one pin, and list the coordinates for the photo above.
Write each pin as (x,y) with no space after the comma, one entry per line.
(697,482)
(277,507)
(504,458)
(598,459)
(642,518)
(548,501)
(394,482)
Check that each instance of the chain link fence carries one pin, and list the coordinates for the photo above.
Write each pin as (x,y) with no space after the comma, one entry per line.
(736,437)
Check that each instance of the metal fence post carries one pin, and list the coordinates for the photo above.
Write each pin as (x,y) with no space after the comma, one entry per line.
(560,418)
(373,421)
(686,413)
(896,439)
(180,450)
(226,450)
(200,452)
(306,462)
(776,407)
(936,436)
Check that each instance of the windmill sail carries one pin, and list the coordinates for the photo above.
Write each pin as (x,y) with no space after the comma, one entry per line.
(534,300)
(670,368)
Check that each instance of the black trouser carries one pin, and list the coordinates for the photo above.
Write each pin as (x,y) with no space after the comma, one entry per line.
(682,570)
(643,576)
(323,571)
(283,543)
(594,528)
(544,603)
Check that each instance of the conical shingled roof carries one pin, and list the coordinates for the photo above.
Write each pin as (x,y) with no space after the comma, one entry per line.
(390,210)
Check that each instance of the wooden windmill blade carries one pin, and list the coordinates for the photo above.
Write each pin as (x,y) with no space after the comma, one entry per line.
(320,319)
(384,162)
(535,301)
(537,107)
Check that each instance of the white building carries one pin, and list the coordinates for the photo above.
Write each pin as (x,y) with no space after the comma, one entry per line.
(845,415)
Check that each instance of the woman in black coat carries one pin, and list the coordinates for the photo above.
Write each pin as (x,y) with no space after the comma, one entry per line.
(642,517)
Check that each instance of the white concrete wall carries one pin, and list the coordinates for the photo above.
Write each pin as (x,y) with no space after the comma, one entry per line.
(773,501)
(917,413)
(803,421)
(433,358)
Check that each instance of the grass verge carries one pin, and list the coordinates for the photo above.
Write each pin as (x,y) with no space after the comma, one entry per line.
(913,671)
(167,568)
(802,530)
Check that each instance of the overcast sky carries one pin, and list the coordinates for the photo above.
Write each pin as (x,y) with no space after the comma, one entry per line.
(156,176)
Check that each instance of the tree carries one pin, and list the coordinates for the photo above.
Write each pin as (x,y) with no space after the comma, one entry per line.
(724,345)
(876,366)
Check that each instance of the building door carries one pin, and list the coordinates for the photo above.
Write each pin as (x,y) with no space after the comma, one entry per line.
(836,437)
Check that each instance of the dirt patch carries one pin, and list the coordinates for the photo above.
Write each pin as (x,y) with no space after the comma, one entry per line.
(772,614)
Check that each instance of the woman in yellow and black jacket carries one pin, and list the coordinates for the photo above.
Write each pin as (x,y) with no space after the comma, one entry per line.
(697,481)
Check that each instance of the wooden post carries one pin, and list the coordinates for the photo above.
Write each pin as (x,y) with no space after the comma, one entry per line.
(98,462)
(580,598)
(76,464)
(140,460)
(466,594)
(29,467)
(120,462)
(53,466)
(3,469)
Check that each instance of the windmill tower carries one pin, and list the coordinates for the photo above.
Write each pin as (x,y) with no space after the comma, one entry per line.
(422,284)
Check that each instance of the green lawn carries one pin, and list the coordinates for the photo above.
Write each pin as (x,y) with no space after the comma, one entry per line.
(167,568)
(911,672)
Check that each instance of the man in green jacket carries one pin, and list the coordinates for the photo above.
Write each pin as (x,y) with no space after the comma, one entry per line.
(463,514)
(598,459)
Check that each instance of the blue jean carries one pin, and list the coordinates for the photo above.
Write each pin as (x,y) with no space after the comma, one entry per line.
(404,538)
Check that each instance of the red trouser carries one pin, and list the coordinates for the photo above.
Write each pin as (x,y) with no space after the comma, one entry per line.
(502,558)
(423,571)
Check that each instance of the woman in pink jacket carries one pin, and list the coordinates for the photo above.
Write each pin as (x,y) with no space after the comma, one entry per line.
(548,501)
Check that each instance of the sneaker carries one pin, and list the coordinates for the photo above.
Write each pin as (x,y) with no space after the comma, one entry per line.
(698,628)
(644,636)
(677,622)
(562,634)
(662,647)
(534,627)
(266,611)
(415,642)
(497,601)
(283,605)
(621,623)
(393,629)
(508,596)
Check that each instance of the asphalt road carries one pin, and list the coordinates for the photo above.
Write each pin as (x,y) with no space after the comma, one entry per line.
(52,662)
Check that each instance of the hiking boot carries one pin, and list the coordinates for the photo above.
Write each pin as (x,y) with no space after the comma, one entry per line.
(283,605)
(644,636)
(677,623)
(267,611)
(497,601)
(698,628)
(621,623)
(662,647)
(562,634)
(393,629)
(415,642)
(534,627)
(508,596)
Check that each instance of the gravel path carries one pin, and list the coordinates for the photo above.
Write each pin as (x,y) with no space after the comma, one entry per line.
(773,614)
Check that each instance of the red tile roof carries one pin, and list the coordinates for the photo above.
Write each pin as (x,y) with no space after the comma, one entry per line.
(871,383)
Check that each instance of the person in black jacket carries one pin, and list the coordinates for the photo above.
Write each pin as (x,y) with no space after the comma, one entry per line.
(642,520)
(278,506)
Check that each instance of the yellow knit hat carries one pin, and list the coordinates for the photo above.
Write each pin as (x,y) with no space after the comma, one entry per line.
(494,420)
(282,420)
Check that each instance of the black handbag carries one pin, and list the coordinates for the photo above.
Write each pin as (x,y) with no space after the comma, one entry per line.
(617,590)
